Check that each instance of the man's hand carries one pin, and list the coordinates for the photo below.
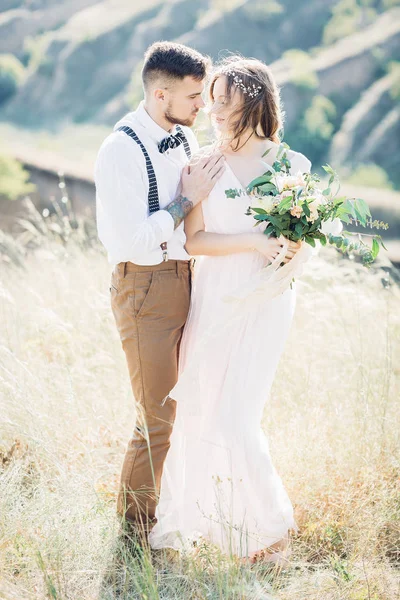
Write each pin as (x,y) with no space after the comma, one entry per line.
(197,181)
(199,178)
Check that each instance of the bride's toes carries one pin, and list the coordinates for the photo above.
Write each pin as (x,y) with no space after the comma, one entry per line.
(271,556)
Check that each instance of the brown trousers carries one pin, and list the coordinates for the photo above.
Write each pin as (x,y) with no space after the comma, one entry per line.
(150,306)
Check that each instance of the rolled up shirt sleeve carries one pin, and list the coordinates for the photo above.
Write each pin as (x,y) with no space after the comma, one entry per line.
(123,222)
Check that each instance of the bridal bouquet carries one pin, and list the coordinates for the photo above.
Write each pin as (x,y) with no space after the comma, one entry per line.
(296,207)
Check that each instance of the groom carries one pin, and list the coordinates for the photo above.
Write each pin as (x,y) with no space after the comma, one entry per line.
(144,190)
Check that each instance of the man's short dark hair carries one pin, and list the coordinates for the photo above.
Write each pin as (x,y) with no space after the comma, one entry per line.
(168,60)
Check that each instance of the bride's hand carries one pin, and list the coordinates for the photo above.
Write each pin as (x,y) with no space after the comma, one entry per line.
(271,247)
(293,248)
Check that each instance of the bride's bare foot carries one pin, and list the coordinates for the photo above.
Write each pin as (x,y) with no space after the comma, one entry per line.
(277,554)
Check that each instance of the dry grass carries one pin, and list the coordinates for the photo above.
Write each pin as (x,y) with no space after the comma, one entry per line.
(333,423)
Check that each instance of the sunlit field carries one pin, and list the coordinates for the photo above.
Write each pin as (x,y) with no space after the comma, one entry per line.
(67,412)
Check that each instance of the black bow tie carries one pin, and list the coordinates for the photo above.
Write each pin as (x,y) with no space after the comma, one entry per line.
(171,141)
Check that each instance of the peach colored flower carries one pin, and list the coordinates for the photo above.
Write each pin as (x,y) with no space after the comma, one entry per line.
(313,216)
(296,211)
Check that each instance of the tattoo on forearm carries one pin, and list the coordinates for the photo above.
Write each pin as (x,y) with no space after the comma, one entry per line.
(179,209)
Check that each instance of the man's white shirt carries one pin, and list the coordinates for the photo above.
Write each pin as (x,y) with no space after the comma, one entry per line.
(124,226)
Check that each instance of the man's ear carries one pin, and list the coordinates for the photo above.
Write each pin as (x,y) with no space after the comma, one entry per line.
(159,95)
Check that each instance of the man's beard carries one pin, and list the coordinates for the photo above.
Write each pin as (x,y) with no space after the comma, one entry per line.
(171,118)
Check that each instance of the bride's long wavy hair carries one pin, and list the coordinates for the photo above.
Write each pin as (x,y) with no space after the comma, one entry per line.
(262,112)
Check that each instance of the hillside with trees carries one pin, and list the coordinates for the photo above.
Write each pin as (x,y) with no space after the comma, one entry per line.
(338,62)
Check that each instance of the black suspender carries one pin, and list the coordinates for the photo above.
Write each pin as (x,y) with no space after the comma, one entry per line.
(153,198)
(185,143)
(154,203)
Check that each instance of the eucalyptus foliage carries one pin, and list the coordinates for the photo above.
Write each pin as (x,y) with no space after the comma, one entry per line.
(305,212)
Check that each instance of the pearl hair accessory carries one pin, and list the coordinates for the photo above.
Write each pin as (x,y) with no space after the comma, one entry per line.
(252,90)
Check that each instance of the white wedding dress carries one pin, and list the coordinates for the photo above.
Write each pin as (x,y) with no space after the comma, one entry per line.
(219,481)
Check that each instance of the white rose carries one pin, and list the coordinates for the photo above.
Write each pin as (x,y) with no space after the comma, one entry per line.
(300,179)
(334,227)
(279,179)
(265,202)
(290,182)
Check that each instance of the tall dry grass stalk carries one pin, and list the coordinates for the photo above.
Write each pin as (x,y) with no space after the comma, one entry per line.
(67,413)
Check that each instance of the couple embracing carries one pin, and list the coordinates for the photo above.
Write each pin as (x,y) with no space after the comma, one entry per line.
(198,465)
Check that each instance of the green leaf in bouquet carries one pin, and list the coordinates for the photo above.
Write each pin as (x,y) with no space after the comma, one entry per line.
(259,211)
(336,240)
(277,166)
(298,228)
(381,242)
(269,230)
(315,226)
(268,188)
(282,150)
(310,240)
(263,217)
(266,152)
(375,248)
(306,209)
(328,169)
(362,208)
(327,192)
(322,239)
(284,204)
(339,200)
(232,193)
(348,208)
(344,217)
(355,207)
(278,222)
(264,178)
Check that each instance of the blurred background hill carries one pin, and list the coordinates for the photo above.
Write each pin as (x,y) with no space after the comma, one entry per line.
(69,69)
(79,61)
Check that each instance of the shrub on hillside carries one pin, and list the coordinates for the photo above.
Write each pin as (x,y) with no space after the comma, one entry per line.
(370,175)
(301,71)
(394,70)
(348,16)
(11,75)
(14,180)
(314,132)
(390,3)
(135,89)
(263,10)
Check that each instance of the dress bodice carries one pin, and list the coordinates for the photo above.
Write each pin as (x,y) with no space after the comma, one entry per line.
(228,215)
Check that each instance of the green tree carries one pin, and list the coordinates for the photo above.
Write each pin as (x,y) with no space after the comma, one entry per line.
(394,70)
(11,75)
(370,175)
(14,179)
(301,72)
(315,130)
(135,90)
(348,16)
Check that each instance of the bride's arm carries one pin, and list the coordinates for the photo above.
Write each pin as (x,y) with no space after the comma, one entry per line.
(201,242)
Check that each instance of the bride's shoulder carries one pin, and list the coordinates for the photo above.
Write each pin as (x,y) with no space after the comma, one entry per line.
(299,162)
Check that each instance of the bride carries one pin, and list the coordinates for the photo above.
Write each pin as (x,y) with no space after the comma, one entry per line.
(219,483)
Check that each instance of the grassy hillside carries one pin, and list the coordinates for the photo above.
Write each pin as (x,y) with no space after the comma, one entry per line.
(336,60)
(67,412)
